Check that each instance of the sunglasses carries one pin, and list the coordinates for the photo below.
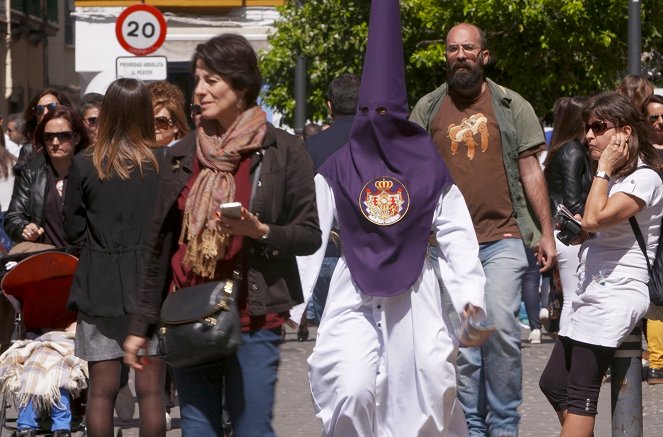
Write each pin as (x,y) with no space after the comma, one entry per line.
(62,137)
(598,127)
(39,109)
(196,109)
(162,122)
(91,121)
(654,118)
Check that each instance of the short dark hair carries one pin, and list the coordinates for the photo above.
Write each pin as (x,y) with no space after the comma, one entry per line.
(654,98)
(88,101)
(343,94)
(231,56)
(74,120)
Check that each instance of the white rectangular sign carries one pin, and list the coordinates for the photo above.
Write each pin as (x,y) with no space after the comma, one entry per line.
(142,67)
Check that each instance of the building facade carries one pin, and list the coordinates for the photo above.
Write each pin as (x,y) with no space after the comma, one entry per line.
(189,22)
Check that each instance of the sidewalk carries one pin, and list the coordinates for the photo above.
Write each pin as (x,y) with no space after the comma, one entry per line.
(294,416)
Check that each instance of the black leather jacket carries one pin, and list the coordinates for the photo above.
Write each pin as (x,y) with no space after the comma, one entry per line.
(28,197)
(569,177)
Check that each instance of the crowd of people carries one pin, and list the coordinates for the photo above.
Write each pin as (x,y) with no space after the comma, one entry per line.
(405,232)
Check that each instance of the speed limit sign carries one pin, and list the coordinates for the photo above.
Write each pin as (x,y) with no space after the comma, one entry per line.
(141,29)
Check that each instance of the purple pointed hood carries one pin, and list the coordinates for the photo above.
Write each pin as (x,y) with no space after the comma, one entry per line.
(387,180)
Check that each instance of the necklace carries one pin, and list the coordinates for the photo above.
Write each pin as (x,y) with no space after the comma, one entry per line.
(59,185)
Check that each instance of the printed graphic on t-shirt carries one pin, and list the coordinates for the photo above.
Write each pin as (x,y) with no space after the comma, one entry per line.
(470,133)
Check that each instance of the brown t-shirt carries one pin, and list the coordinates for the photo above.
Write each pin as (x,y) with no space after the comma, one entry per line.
(468,137)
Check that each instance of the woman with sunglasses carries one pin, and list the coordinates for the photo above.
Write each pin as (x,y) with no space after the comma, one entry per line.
(109,202)
(568,172)
(35,211)
(235,155)
(39,107)
(169,119)
(611,295)
(88,108)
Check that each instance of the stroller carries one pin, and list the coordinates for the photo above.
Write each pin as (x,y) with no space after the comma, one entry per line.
(35,287)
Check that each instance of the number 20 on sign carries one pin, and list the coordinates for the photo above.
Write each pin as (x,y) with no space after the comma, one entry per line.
(141,29)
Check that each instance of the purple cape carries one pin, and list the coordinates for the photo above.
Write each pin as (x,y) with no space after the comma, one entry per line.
(388,178)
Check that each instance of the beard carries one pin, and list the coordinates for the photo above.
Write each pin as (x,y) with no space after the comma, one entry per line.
(466,79)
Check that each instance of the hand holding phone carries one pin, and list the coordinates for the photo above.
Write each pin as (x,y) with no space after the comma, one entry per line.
(569,226)
(231,210)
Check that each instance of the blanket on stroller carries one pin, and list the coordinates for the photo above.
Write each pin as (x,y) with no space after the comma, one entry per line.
(35,370)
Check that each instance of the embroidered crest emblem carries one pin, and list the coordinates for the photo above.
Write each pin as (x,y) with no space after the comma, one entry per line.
(384,201)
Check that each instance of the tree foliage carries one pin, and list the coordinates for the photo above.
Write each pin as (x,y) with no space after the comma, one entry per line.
(542,49)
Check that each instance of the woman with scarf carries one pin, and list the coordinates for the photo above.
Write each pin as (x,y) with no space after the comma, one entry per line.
(234,155)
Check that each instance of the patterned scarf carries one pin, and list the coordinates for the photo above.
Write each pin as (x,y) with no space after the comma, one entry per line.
(219,154)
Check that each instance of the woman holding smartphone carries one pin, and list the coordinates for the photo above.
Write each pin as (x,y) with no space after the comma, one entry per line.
(612,294)
(233,156)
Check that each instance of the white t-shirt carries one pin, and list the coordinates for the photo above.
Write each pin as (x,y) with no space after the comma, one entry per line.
(615,251)
(612,294)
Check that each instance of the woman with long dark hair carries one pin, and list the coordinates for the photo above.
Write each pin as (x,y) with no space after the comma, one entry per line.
(568,173)
(611,295)
(109,201)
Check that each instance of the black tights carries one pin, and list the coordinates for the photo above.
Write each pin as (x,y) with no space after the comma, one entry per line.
(105,384)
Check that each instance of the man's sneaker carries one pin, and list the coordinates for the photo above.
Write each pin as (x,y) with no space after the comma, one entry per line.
(535,336)
(544,315)
(655,376)
(124,404)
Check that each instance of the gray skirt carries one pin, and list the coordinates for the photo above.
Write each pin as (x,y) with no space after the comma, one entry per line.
(101,338)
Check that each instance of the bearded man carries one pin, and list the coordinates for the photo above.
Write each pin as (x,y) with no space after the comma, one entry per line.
(507,197)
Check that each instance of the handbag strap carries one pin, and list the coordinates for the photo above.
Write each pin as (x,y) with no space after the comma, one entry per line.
(641,241)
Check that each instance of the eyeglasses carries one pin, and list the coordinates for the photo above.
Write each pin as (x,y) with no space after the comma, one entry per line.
(196,109)
(162,122)
(62,137)
(467,47)
(39,109)
(91,121)
(654,118)
(598,127)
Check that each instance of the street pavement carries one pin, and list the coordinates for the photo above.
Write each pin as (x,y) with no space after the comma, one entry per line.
(294,416)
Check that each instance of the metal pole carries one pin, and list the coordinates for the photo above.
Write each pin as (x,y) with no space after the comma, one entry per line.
(300,89)
(300,95)
(634,37)
(626,386)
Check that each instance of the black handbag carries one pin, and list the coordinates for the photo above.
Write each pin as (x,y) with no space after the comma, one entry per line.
(200,324)
(655,283)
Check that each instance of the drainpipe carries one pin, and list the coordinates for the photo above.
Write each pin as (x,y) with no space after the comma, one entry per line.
(8,52)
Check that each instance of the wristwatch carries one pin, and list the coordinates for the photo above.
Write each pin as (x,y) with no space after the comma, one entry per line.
(603,175)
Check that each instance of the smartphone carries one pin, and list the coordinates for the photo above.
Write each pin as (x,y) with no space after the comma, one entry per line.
(232,210)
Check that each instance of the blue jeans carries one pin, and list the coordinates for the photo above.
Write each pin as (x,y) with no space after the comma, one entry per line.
(490,377)
(532,290)
(60,414)
(250,382)
(316,305)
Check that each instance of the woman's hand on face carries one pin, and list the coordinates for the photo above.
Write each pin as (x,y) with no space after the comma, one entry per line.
(31,232)
(248,225)
(615,154)
(132,345)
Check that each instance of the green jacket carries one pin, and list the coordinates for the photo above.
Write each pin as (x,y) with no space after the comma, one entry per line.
(520,130)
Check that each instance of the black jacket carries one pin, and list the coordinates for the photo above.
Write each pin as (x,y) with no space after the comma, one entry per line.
(569,177)
(110,219)
(284,199)
(28,197)
(321,146)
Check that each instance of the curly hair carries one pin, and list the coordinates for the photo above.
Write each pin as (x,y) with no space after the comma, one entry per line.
(171,98)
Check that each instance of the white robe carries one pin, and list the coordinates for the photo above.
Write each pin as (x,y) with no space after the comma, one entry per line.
(385,366)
